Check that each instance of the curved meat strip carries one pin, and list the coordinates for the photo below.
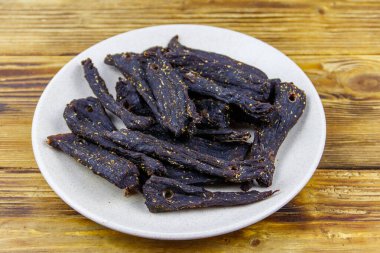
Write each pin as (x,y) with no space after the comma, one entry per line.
(165,195)
(99,88)
(115,169)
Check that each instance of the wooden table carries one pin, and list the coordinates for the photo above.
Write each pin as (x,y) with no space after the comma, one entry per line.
(337,44)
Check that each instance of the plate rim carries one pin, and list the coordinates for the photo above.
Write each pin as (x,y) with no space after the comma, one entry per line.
(185,235)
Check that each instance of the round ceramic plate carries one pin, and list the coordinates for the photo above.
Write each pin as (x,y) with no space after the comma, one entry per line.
(105,204)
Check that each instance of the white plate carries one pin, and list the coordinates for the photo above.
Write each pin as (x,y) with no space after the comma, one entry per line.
(105,204)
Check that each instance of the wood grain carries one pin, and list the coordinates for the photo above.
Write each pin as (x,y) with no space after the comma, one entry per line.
(324,213)
(336,43)
(295,27)
(348,85)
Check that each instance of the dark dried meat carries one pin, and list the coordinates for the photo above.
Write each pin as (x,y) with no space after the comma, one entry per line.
(233,171)
(218,135)
(192,177)
(290,103)
(161,88)
(84,126)
(258,111)
(224,134)
(218,67)
(228,151)
(131,65)
(100,89)
(258,152)
(127,95)
(91,109)
(165,195)
(170,92)
(235,150)
(214,113)
(117,170)
(177,104)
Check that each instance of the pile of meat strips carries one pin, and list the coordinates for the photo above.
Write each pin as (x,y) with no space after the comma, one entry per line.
(178,105)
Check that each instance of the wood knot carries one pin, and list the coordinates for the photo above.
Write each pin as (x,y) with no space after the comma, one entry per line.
(321,11)
(255,242)
(365,83)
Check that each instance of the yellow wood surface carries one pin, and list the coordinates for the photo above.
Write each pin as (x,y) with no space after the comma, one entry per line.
(337,44)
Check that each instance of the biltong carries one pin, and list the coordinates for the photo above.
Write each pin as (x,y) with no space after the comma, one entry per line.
(184,138)
(100,89)
(233,171)
(131,66)
(104,163)
(218,67)
(290,103)
(235,150)
(160,86)
(214,113)
(83,125)
(224,134)
(176,108)
(192,177)
(221,135)
(258,152)
(127,95)
(228,151)
(257,110)
(90,108)
(165,195)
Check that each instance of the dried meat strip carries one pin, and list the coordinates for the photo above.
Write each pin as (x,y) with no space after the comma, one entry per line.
(131,66)
(90,108)
(214,113)
(190,176)
(99,88)
(218,135)
(218,67)
(226,90)
(82,124)
(224,134)
(227,151)
(233,171)
(165,195)
(258,111)
(176,108)
(257,152)
(236,150)
(127,95)
(115,169)
(290,103)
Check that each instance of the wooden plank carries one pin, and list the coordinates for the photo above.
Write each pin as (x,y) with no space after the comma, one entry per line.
(348,85)
(350,90)
(78,234)
(334,42)
(295,27)
(338,208)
